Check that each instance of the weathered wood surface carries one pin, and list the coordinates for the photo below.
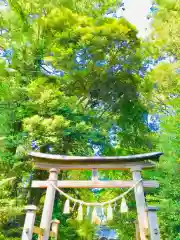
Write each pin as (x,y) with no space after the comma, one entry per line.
(137,230)
(47,161)
(94,175)
(86,166)
(141,206)
(54,227)
(109,159)
(153,223)
(29,222)
(95,184)
(48,205)
(40,232)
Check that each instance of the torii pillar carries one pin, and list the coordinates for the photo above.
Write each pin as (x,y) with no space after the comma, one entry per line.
(153,223)
(49,204)
(140,204)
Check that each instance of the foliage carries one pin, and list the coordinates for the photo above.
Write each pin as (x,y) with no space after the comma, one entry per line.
(96,101)
(167,27)
(74,113)
(10,208)
(169,178)
(166,100)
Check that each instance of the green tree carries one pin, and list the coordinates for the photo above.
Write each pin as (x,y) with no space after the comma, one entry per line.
(165,98)
(167,25)
(70,114)
(169,177)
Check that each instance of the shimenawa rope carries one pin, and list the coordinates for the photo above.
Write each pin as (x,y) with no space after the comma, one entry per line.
(95,203)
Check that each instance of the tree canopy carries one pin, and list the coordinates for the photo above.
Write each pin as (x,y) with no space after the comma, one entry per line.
(75,81)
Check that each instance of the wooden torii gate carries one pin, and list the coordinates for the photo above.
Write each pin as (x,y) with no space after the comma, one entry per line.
(147,222)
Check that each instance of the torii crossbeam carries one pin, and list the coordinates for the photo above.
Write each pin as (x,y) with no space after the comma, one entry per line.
(134,163)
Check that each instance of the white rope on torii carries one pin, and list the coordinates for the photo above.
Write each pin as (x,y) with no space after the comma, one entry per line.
(95,203)
(95,218)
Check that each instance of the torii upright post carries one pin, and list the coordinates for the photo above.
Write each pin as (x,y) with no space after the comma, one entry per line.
(29,222)
(153,223)
(140,204)
(48,204)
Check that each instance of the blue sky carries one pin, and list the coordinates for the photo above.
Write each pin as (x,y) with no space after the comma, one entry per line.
(136,12)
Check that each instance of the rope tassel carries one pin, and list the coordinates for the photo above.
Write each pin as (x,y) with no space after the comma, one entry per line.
(67,207)
(80,213)
(109,213)
(124,207)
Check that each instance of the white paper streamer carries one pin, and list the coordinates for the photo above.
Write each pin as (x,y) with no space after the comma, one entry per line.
(80,213)
(67,207)
(124,207)
(109,213)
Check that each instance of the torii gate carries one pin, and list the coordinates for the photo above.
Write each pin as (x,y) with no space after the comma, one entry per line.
(147,221)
